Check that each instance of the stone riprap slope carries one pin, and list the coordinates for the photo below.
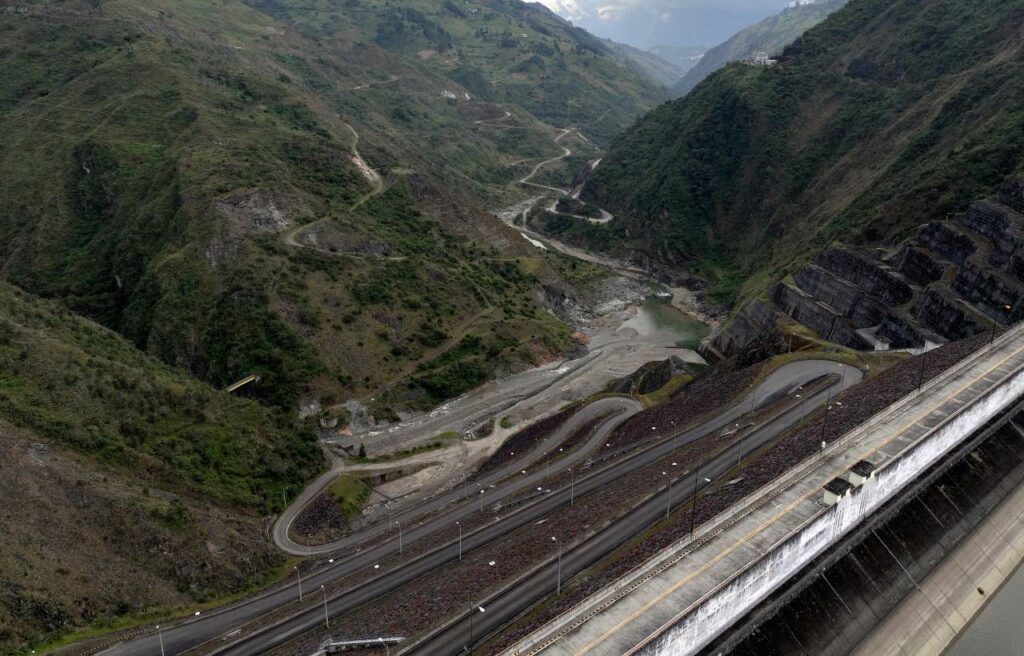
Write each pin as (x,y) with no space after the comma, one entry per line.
(953,278)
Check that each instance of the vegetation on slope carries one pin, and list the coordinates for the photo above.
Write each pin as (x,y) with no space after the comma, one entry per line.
(129,487)
(885,115)
(768,37)
(649,64)
(161,159)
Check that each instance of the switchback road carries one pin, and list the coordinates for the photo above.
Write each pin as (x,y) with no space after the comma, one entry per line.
(242,641)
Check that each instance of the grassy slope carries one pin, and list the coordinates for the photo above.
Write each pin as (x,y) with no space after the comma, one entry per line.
(884,116)
(504,51)
(144,486)
(769,36)
(649,64)
(138,133)
(156,154)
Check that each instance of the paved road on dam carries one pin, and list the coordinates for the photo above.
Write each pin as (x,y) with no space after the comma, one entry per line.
(228,626)
(701,588)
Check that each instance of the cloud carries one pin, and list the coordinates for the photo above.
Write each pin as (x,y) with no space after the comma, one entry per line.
(669,22)
(569,9)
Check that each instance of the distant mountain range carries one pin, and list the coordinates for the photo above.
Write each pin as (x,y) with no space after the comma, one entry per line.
(683,57)
(767,37)
(867,127)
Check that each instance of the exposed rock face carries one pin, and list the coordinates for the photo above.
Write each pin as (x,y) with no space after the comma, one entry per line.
(251,211)
(950,320)
(952,279)
(257,210)
(1012,194)
(651,377)
(754,321)
(870,275)
(946,241)
(989,292)
(864,69)
(917,266)
(899,333)
(804,308)
(841,295)
(1000,224)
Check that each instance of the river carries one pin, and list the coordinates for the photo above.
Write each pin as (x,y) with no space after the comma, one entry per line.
(998,629)
(659,319)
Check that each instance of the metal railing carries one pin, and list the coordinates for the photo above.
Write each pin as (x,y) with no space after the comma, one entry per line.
(601,600)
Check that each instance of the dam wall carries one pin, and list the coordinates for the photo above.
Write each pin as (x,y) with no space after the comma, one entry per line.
(702,622)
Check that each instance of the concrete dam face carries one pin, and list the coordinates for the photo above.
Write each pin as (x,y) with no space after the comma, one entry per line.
(703,622)
(839,599)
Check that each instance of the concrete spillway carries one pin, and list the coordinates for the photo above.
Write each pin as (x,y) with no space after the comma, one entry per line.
(697,591)
(863,594)
(742,593)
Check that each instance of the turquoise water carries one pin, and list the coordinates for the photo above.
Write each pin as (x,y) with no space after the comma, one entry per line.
(659,319)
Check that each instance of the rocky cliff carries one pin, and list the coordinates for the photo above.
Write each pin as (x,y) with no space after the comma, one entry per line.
(952,278)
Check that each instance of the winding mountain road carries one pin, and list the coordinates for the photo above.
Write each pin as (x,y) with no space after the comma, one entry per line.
(230,624)
(618,410)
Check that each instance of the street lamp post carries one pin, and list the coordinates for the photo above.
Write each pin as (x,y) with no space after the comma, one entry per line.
(693,506)
(480,609)
(460,539)
(558,588)
(160,636)
(298,573)
(668,501)
(824,420)
(327,622)
(399,537)
(1008,308)
(387,649)
(481,500)
(572,487)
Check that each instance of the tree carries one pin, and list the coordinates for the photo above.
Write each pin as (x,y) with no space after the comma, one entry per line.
(362,450)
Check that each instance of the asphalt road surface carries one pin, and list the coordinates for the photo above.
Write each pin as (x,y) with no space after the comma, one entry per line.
(618,409)
(503,608)
(220,624)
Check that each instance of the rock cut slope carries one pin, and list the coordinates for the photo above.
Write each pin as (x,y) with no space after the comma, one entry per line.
(951,279)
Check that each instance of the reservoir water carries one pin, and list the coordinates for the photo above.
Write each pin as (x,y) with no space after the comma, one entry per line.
(998,630)
(659,319)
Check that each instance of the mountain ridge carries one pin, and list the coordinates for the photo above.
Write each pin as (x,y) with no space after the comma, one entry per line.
(767,37)
(159,154)
(866,127)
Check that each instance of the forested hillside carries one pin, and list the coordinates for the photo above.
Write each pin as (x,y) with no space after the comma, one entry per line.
(886,115)
(128,487)
(296,192)
(768,37)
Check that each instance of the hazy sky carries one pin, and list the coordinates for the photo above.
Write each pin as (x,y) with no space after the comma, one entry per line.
(646,23)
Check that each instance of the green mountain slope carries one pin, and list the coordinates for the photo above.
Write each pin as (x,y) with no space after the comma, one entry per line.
(106,451)
(658,70)
(682,57)
(768,37)
(886,115)
(291,191)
